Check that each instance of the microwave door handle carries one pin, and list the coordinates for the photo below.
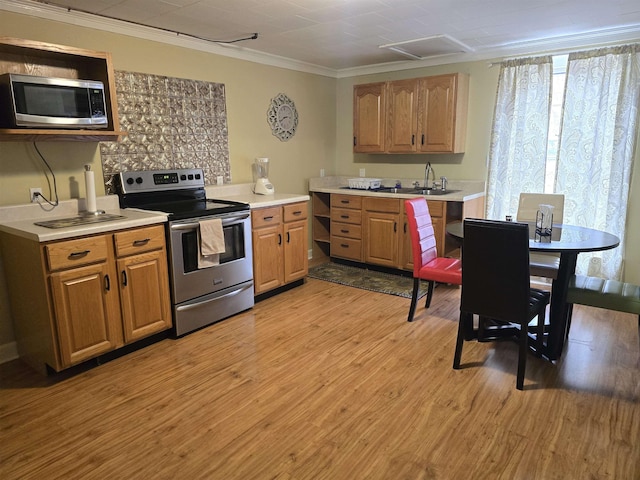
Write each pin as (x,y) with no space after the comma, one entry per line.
(225,222)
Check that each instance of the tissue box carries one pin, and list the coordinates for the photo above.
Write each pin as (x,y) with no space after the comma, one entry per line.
(364,183)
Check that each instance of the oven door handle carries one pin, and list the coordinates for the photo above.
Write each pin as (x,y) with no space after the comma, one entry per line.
(226,295)
(225,222)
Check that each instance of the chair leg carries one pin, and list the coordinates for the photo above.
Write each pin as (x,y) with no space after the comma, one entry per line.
(414,299)
(540,332)
(569,315)
(429,293)
(522,355)
(460,340)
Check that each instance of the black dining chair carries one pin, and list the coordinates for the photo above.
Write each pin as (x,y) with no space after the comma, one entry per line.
(495,287)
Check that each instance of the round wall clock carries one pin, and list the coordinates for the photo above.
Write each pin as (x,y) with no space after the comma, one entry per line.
(282,117)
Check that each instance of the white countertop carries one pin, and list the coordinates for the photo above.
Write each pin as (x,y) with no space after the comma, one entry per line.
(19,219)
(466,189)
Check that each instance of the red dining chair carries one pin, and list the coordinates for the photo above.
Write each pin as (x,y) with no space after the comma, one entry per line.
(426,263)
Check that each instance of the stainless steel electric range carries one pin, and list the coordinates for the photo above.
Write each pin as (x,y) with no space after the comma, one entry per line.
(200,296)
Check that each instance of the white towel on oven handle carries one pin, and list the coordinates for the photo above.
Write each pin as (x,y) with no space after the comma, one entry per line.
(210,242)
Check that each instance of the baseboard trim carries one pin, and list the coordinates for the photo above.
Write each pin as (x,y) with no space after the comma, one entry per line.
(8,352)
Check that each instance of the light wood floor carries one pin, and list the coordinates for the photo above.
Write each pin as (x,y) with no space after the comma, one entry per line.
(331,382)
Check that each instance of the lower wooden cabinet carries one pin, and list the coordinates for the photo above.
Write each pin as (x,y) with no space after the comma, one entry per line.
(381,231)
(86,296)
(280,238)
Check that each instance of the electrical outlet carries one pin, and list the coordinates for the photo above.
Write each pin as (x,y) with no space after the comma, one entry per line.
(32,194)
(219,180)
(362,172)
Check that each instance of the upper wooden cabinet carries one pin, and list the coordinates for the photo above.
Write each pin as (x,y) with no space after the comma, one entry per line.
(420,115)
(369,125)
(49,60)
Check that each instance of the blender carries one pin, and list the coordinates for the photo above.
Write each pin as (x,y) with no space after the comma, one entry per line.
(260,176)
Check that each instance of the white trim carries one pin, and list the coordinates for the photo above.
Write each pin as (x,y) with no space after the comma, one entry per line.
(596,38)
(8,352)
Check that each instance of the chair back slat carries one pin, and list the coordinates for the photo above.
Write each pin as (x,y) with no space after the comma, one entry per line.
(495,269)
(423,240)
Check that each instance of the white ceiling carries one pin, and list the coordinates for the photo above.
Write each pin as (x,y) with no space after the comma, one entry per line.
(346,34)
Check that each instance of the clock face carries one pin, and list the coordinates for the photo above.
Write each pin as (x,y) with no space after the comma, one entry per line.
(282,117)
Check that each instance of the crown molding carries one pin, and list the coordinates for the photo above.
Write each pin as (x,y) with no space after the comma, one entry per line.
(561,44)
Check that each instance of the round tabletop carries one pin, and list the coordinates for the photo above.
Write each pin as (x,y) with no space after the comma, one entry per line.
(564,238)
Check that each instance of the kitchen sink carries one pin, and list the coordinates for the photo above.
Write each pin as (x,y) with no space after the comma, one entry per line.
(414,191)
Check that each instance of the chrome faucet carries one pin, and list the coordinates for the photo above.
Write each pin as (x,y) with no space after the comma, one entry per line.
(428,170)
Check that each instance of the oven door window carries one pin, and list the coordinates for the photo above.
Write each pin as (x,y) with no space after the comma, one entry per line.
(233,246)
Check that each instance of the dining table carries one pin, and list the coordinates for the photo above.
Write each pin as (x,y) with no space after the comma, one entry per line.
(568,241)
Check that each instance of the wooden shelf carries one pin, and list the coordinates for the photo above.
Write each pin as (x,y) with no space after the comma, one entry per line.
(50,60)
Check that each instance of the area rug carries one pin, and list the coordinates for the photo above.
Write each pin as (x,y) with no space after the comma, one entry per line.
(366,279)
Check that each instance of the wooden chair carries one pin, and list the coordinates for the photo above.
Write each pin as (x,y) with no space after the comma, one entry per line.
(495,286)
(426,263)
(542,264)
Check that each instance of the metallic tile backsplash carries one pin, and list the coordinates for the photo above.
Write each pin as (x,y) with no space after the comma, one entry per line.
(171,123)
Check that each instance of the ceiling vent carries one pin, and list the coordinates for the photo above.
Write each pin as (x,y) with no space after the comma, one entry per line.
(428,47)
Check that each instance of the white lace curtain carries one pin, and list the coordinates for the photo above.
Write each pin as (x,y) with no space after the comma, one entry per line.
(518,150)
(596,148)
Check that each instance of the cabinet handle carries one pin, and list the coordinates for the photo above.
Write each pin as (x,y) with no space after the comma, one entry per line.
(395,227)
(413,139)
(344,216)
(423,139)
(107,283)
(297,212)
(268,219)
(279,239)
(124,278)
(405,227)
(344,231)
(343,245)
(139,243)
(74,255)
(288,238)
(354,141)
(346,202)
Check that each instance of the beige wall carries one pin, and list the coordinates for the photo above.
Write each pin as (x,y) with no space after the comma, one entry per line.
(323,140)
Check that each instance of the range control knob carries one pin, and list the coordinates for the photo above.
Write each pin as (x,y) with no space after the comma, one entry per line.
(138,180)
(130,181)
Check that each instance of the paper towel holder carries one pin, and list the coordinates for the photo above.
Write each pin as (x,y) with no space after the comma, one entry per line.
(90,190)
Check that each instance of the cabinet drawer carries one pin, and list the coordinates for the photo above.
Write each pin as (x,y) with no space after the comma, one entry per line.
(139,240)
(346,230)
(388,205)
(346,215)
(294,211)
(436,209)
(73,253)
(346,248)
(266,217)
(346,201)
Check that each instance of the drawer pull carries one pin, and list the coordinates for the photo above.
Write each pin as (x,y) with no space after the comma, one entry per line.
(344,216)
(268,219)
(140,243)
(344,231)
(81,254)
(346,202)
(343,245)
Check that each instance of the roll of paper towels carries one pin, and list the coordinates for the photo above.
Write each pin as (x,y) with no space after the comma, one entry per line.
(90,188)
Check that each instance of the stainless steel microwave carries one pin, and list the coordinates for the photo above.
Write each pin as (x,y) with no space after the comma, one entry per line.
(46,102)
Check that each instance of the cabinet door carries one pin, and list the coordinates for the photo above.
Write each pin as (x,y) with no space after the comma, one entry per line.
(369,118)
(87,315)
(437,113)
(402,116)
(144,294)
(296,263)
(381,238)
(267,258)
